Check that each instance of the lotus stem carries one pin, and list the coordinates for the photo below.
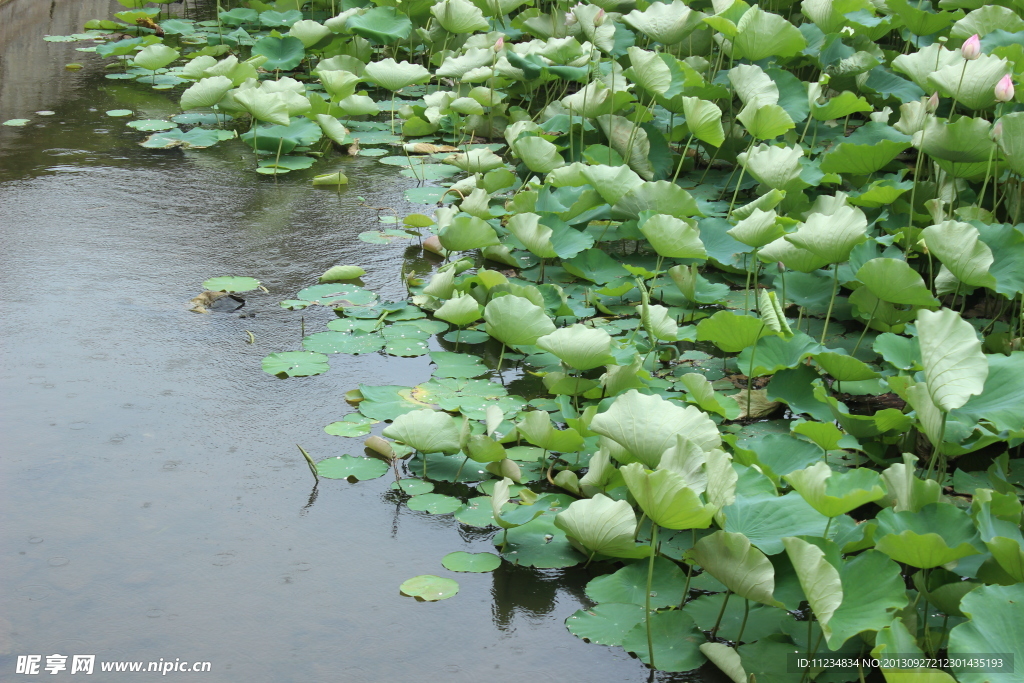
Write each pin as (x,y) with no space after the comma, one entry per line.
(831,301)
(750,370)
(721,613)
(647,595)
(866,327)
(743,626)
(936,447)
(456,480)
(682,158)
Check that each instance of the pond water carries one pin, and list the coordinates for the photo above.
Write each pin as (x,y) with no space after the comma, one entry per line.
(154,502)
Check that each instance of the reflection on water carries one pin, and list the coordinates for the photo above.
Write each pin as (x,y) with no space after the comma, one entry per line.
(154,503)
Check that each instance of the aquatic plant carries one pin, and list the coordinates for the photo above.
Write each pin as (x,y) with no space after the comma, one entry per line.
(756,271)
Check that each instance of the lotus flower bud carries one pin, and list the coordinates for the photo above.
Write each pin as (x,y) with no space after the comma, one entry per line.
(1004,89)
(933,103)
(599,17)
(499,44)
(781,267)
(971,49)
(570,19)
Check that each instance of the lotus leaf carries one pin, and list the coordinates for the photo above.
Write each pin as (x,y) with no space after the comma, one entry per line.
(832,493)
(516,321)
(428,431)
(429,588)
(932,536)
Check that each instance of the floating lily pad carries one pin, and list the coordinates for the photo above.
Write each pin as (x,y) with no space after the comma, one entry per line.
(46,112)
(476,512)
(372,152)
(295,364)
(351,467)
(479,563)
(434,503)
(466,337)
(676,642)
(352,425)
(412,487)
(119,112)
(429,588)
(194,119)
(231,284)
(15,122)
(605,624)
(151,125)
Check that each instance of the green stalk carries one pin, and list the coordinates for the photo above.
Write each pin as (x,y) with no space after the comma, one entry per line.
(647,596)
(936,447)
(750,371)
(743,626)
(828,314)
(721,613)
(682,158)
(866,327)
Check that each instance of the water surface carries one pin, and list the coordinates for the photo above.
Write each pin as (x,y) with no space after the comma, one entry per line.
(154,502)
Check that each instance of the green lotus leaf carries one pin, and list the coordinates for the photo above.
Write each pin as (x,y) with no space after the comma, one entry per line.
(358,105)
(467,232)
(666,499)
(392,75)
(893,280)
(601,525)
(843,104)
(274,18)
(926,61)
(630,142)
(539,155)
(999,402)
(516,321)
(703,394)
(955,367)
(658,322)
(995,624)
(832,237)
(155,56)
(340,273)
(758,229)
(460,310)
(730,331)
(881,192)
(930,537)
(776,167)
(762,34)
(611,182)
(339,84)
(589,101)
(434,503)
(873,589)
(703,118)
(1003,539)
(971,82)
(239,16)
(754,87)
(309,32)
(966,140)
(819,580)
(868,149)
(647,426)
(479,160)
(844,368)
(205,93)
(774,353)
(536,428)
(580,347)
(958,246)
(765,122)
(665,23)
(833,493)
(765,519)
(381,25)
(628,585)
(283,54)
(459,16)
(429,588)
(648,71)
(427,431)
(661,197)
(606,623)
(675,638)
(457,66)
(673,237)
(263,106)
(231,284)
(1011,141)
(791,256)
(352,468)
(471,562)
(740,567)
(295,364)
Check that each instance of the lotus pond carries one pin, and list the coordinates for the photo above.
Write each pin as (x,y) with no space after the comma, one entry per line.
(723,304)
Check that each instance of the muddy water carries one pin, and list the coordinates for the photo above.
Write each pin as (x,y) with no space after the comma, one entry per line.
(154,504)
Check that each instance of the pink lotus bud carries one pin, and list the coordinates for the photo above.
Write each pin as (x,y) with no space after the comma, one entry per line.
(997,130)
(570,19)
(599,17)
(971,49)
(932,104)
(499,44)
(1004,89)
(781,267)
